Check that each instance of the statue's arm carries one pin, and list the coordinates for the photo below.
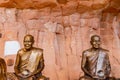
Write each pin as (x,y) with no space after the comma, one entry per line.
(16,67)
(3,67)
(41,65)
(108,65)
(83,63)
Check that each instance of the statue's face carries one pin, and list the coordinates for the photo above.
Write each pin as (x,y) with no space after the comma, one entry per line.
(28,42)
(95,42)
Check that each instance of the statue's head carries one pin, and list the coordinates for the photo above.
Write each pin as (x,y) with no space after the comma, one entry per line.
(28,42)
(95,41)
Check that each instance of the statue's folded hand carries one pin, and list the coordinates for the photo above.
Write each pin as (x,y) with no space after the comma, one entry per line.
(20,75)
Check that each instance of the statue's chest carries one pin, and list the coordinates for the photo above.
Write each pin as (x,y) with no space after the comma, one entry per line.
(91,56)
(25,56)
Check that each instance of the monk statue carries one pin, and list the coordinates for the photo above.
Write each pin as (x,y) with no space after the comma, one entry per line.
(29,61)
(95,61)
(3,69)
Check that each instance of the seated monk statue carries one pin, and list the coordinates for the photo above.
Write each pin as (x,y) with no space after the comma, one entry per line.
(95,61)
(3,69)
(29,61)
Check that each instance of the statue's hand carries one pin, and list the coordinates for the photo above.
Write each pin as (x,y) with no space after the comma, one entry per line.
(101,74)
(25,72)
(21,75)
(29,75)
(24,76)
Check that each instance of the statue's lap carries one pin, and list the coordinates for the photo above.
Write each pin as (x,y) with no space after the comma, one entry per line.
(12,76)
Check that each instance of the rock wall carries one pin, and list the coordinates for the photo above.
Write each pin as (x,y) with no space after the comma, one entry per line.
(63,37)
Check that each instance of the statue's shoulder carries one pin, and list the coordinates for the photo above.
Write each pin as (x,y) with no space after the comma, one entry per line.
(21,51)
(38,49)
(105,50)
(87,51)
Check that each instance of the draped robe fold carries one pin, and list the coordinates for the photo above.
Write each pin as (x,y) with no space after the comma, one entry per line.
(29,62)
(97,64)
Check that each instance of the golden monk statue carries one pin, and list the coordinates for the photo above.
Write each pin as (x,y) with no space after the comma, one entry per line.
(95,61)
(29,61)
(3,69)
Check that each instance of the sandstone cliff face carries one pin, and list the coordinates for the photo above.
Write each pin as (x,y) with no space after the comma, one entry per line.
(63,29)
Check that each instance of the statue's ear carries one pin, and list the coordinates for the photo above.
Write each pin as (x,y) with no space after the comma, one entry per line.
(99,42)
(33,41)
(90,42)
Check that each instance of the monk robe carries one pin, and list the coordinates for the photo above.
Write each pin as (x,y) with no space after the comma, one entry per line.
(95,64)
(30,62)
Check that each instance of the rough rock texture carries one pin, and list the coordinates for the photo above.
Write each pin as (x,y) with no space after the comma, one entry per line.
(67,6)
(63,31)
